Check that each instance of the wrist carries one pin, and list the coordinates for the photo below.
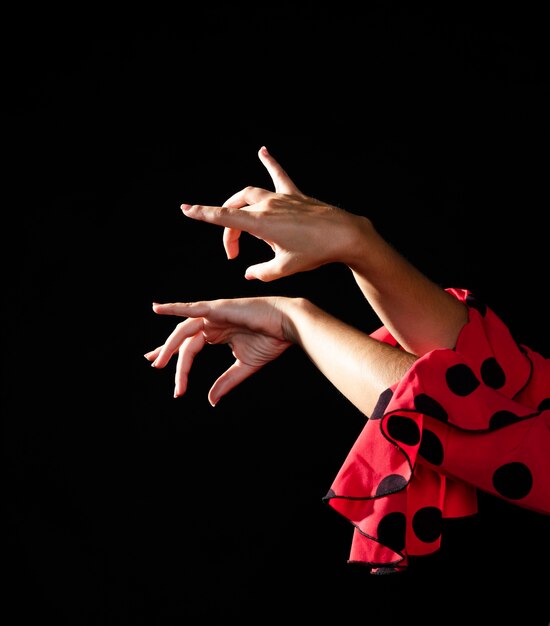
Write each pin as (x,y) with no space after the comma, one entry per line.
(359,242)
(369,253)
(296,313)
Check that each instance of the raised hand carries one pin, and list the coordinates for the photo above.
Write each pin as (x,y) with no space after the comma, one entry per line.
(304,233)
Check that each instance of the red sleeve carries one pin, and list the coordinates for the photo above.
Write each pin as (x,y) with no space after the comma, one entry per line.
(452,423)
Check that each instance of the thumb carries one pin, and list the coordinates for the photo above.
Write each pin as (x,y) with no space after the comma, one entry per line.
(266,272)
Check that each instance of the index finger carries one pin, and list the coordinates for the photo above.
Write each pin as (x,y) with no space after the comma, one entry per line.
(229,216)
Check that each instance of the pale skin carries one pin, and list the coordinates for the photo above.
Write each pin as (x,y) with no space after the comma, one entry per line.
(258,330)
(304,234)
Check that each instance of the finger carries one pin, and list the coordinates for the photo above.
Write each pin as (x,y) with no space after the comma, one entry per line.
(186,329)
(232,377)
(262,272)
(231,242)
(183,309)
(188,350)
(152,355)
(231,236)
(229,214)
(246,197)
(277,267)
(281,180)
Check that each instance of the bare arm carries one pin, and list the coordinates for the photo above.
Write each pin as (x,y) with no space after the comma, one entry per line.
(258,330)
(359,366)
(419,313)
(305,233)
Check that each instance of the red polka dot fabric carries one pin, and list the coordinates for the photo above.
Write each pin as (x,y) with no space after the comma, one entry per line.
(473,418)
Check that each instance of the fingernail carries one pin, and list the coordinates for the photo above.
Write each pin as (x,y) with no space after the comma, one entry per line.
(185,207)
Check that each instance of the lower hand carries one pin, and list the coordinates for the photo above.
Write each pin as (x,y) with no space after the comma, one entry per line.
(252,327)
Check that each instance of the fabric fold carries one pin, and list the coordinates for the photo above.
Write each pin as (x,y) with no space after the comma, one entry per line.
(474,417)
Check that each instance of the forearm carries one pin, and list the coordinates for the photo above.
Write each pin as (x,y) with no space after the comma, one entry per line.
(360,367)
(419,313)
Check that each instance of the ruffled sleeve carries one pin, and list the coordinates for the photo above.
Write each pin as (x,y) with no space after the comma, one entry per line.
(449,427)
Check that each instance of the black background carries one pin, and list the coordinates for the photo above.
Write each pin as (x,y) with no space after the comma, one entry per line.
(125,506)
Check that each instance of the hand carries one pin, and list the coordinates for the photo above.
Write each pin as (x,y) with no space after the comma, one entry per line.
(304,233)
(252,327)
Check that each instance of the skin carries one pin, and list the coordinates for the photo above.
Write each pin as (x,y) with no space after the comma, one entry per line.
(258,330)
(304,234)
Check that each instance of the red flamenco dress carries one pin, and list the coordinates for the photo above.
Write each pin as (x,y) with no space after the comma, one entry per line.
(476,417)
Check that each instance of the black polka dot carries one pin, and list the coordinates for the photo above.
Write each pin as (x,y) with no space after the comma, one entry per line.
(513,480)
(502,418)
(426,524)
(461,380)
(382,403)
(544,405)
(431,447)
(492,374)
(428,406)
(403,429)
(391,531)
(391,484)
(474,303)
